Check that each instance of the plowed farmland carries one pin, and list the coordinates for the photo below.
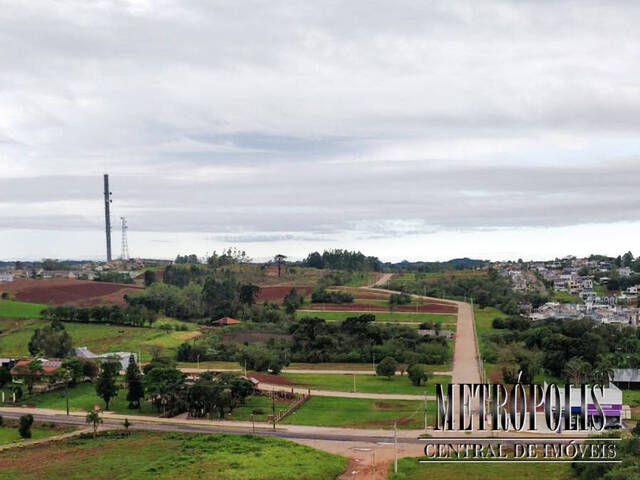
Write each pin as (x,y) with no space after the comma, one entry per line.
(61,291)
(277,293)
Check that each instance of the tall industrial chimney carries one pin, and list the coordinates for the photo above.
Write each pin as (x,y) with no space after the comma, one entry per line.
(107,215)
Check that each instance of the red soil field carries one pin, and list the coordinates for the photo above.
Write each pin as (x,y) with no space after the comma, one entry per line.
(61,291)
(271,379)
(428,307)
(277,293)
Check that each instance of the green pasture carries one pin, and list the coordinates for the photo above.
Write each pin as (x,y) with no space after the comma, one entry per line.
(361,413)
(14,309)
(9,431)
(166,456)
(365,383)
(99,338)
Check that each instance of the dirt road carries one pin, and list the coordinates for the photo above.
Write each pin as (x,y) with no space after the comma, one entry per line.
(383,280)
(333,393)
(466,365)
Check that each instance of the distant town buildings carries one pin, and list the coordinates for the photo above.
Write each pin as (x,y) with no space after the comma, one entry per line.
(581,288)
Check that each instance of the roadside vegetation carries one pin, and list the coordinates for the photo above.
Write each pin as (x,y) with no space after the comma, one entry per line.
(10,431)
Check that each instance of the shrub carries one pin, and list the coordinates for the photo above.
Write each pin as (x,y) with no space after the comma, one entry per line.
(416,374)
(25,425)
(387,367)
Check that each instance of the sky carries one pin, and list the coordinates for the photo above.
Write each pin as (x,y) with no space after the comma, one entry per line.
(407,129)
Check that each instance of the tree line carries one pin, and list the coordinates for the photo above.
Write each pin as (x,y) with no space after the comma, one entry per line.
(342,260)
(357,339)
(578,350)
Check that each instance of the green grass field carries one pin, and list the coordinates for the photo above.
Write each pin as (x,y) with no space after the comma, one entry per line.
(632,398)
(359,279)
(483,318)
(13,309)
(9,431)
(99,338)
(382,316)
(366,383)
(565,297)
(410,469)
(168,456)
(361,413)
(257,404)
(83,397)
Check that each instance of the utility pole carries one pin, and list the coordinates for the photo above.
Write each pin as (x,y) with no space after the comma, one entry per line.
(373,463)
(425,411)
(273,408)
(107,215)
(395,446)
(373,358)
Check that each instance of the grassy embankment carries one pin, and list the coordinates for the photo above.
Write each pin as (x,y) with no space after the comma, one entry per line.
(166,456)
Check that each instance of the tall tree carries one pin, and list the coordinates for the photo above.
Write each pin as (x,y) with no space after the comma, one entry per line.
(106,387)
(51,341)
(25,425)
(387,367)
(149,277)
(133,379)
(248,292)
(279,259)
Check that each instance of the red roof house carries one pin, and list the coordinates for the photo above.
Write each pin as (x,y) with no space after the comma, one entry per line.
(226,321)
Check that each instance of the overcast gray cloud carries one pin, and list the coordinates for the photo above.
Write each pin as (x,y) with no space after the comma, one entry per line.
(267,122)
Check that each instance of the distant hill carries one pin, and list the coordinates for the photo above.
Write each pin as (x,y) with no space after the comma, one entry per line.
(454,262)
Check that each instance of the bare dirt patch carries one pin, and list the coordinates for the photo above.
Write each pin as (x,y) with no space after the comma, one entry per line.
(277,293)
(61,291)
(189,335)
(389,405)
(272,379)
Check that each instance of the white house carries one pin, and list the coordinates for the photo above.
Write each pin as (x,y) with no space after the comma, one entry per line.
(122,357)
(6,277)
(624,272)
